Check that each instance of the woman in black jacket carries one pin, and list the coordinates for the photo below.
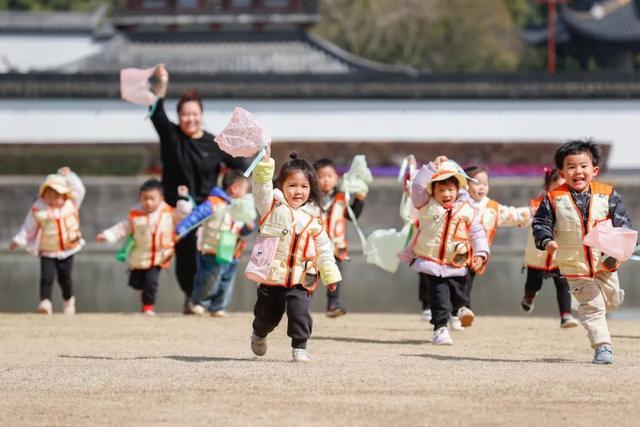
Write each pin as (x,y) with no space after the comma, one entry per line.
(189,157)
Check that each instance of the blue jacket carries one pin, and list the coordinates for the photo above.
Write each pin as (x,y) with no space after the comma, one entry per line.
(204,211)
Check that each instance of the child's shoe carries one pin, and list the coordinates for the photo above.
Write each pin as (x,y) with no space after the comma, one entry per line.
(218,313)
(258,345)
(455,324)
(426,314)
(69,306)
(568,321)
(603,355)
(466,316)
(147,310)
(441,336)
(527,304)
(300,355)
(197,309)
(336,311)
(45,307)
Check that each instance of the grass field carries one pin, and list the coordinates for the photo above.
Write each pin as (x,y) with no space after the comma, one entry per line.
(366,369)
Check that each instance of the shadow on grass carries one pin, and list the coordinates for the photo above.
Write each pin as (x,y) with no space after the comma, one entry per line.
(188,359)
(444,358)
(369,341)
(628,337)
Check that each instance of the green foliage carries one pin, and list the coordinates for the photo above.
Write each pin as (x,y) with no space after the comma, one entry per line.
(437,35)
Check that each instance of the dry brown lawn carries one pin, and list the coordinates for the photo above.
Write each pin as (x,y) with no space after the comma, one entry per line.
(372,369)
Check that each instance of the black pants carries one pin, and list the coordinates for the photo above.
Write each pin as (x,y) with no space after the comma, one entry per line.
(333,297)
(447,294)
(49,267)
(470,277)
(271,305)
(147,282)
(423,291)
(534,281)
(186,253)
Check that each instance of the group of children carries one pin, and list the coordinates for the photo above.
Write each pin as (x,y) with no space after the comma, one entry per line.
(301,239)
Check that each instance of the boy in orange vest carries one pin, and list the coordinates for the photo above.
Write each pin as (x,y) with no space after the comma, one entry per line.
(151,223)
(336,215)
(562,220)
(51,230)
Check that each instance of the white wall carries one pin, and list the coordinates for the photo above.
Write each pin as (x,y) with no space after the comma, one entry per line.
(40,52)
(77,121)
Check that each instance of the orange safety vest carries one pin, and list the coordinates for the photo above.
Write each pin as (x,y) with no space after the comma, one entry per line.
(444,234)
(153,245)
(59,228)
(574,258)
(337,226)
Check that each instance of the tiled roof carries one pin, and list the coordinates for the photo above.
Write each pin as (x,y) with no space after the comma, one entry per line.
(210,53)
(615,21)
(39,22)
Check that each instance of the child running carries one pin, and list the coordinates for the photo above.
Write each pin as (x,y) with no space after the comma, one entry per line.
(51,230)
(560,224)
(294,247)
(213,283)
(335,207)
(541,264)
(450,241)
(151,223)
(492,215)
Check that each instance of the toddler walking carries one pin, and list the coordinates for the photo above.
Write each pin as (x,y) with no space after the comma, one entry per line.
(292,248)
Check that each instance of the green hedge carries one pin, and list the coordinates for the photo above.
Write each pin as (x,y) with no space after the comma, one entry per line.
(86,160)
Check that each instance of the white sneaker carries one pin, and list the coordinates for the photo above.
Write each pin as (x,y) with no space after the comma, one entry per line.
(441,337)
(45,307)
(197,309)
(568,321)
(69,306)
(455,324)
(218,313)
(426,314)
(258,345)
(466,316)
(300,355)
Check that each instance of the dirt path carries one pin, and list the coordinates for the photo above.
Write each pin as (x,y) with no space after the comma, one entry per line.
(365,370)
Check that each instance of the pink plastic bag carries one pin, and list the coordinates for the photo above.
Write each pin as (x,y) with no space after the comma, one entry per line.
(243,136)
(262,254)
(613,241)
(135,86)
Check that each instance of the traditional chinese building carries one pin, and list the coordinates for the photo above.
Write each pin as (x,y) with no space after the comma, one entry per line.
(604,33)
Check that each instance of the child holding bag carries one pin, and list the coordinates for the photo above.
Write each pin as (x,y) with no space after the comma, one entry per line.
(292,248)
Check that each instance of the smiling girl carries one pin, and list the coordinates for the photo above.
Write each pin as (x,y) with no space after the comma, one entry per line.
(295,248)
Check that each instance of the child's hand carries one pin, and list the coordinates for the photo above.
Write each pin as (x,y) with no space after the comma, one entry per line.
(551,247)
(439,160)
(476,262)
(13,246)
(64,171)
(361,196)
(183,191)
(101,238)
(161,73)
(250,226)
(332,287)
